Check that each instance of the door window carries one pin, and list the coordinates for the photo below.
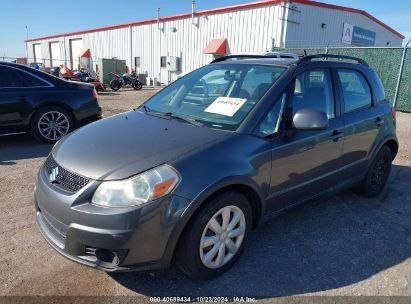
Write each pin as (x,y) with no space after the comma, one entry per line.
(313,90)
(271,123)
(356,91)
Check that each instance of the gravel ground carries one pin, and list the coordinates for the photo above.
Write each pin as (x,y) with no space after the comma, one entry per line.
(341,245)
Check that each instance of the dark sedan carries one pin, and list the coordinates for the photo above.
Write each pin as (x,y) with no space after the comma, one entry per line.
(43,105)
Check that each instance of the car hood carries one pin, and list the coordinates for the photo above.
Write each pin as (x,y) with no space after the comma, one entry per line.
(129,143)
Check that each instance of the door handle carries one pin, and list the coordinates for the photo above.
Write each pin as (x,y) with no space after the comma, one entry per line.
(336,135)
(379,122)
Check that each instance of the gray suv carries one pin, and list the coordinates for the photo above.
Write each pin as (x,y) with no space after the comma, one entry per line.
(185,177)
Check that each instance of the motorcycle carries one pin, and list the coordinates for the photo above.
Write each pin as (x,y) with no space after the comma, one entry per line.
(83,75)
(126,79)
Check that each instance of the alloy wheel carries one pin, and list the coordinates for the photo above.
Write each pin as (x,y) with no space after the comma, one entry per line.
(222,237)
(53,125)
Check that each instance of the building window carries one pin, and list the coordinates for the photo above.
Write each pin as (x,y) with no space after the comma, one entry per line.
(163,61)
(137,63)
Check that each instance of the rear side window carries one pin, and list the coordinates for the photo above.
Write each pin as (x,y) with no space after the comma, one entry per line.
(379,91)
(356,91)
(13,78)
(30,80)
(9,79)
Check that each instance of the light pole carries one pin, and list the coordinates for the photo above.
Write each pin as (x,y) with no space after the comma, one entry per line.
(27,38)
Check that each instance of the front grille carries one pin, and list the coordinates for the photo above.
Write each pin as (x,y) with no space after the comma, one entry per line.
(65,179)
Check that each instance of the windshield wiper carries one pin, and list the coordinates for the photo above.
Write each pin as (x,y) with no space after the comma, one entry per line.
(145,108)
(184,118)
(170,115)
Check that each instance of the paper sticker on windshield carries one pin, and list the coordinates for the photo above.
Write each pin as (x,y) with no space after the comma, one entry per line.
(227,106)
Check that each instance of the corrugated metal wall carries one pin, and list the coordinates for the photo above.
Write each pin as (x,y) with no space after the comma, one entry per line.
(250,30)
(247,30)
(304,27)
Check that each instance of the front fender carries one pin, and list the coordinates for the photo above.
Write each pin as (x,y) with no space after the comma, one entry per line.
(225,183)
(196,203)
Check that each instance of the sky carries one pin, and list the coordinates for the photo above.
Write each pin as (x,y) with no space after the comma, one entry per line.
(47,17)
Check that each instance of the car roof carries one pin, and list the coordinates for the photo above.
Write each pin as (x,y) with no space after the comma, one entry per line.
(16,65)
(260,61)
(286,63)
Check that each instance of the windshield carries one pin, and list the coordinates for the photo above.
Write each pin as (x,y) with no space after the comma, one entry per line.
(217,95)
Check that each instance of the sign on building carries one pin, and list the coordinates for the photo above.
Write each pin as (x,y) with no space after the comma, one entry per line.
(356,35)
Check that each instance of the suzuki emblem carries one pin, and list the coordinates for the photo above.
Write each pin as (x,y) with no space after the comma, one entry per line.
(53,174)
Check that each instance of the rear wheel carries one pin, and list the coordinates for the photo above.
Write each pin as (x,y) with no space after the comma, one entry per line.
(378,173)
(137,85)
(115,85)
(51,123)
(215,237)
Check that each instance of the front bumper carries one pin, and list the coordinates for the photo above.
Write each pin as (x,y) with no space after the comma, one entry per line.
(109,239)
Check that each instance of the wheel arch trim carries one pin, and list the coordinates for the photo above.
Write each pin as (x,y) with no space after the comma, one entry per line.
(391,141)
(51,104)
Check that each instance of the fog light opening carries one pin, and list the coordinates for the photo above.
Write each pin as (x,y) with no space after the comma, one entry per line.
(107,257)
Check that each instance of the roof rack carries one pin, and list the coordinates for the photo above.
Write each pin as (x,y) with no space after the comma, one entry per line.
(245,56)
(308,58)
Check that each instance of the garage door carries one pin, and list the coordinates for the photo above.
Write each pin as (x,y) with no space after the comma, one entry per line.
(55,56)
(76,46)
(37,52)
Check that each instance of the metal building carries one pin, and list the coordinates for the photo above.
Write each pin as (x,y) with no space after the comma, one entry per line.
(167,46)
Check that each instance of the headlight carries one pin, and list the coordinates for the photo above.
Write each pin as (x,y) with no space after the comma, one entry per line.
(138,189)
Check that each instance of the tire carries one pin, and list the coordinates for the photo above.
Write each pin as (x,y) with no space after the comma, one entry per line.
(137,85)
(115,85)
(63,124)
(378,173)
(191,258)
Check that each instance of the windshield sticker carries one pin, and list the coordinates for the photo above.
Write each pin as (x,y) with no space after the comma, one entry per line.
(227,106)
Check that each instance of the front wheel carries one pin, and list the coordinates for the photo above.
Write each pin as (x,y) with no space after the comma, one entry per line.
(378,173)
(215,236)
(137,85)
(115,85)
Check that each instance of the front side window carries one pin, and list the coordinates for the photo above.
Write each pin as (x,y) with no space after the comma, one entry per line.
(217,95)
(313,90)
(271,123)
(356,91)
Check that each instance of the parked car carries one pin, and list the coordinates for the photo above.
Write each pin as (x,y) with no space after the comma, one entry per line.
(279,55)
(38,66)
(187,175)
(46,106)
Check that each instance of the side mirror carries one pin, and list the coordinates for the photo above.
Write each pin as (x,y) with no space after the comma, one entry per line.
(307,119)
